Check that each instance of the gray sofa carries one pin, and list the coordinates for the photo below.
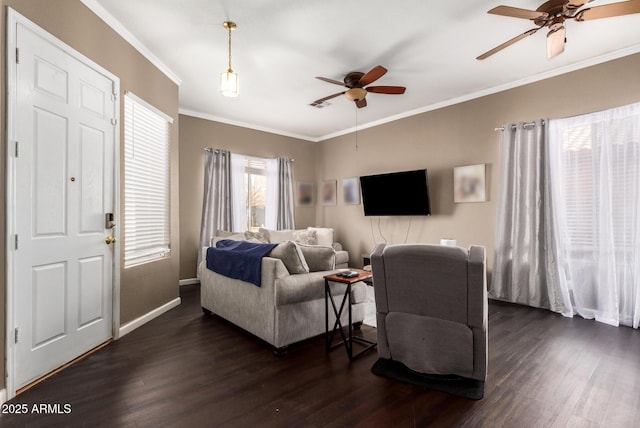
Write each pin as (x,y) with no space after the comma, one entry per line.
(289,304)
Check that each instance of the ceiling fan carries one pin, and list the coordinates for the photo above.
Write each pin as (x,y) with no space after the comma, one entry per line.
(356,82)
(553,14)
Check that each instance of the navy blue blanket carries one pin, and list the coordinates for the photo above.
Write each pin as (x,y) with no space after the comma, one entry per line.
(238,259)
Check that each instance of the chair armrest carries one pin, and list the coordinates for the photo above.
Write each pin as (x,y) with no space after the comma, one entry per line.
(477,287)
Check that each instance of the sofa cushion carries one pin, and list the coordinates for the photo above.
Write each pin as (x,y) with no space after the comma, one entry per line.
(319,258)
(277,236)
(292,257)
(342,258)
(305,236)
(294,289)
(324,235)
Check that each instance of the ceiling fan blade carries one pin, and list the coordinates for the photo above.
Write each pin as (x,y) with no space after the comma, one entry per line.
(361,103)
(508,43)
(573,5)
(335,82)
(328,97)
(516,12)
(376,72)
(609,10)
(555,42)
(386,89)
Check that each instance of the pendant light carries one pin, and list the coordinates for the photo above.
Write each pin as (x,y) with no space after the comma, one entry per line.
(229,79)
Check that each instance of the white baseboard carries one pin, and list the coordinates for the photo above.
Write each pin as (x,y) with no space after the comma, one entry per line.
(139,322)
(189,281)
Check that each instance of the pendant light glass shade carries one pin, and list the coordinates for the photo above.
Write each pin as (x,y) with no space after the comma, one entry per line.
(229,83)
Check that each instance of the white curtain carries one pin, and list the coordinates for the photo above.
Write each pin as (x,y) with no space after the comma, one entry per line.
(595,173)
(217,196)
(271,205)
(238,184)
(524,266)
(286,205)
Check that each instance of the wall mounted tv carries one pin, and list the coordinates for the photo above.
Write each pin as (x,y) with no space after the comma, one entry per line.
(396,193)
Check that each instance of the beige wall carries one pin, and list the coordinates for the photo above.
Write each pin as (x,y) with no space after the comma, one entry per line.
(197,134)
(462,134)
(143,288)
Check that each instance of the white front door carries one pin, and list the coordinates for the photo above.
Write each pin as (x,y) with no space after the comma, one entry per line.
(62,174)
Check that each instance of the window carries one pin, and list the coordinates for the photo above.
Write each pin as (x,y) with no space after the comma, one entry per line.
(146,182)
(255,204)
(600,171)
(255,180)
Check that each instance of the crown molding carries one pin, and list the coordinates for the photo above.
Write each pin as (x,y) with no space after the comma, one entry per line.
(226,121)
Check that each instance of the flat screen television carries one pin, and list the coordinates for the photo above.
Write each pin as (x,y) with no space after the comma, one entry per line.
(396,194)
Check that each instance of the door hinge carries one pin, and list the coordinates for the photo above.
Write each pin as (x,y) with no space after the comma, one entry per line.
(17,149)
(15,335)
(114,121)
(16,242)
(17,56)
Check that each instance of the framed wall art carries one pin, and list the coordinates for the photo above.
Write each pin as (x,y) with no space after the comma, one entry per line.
(469,183)
(304,194)
(328,192)
(351,191)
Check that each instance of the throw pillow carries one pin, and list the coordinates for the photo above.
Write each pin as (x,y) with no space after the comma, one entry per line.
(291,255)
(305,236)
(277,236)
(256,237)
(324,235)
(319,258)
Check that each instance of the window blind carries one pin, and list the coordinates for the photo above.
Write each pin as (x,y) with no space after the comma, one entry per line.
(146,182)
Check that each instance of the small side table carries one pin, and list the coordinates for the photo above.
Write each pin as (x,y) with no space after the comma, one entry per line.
(347,341)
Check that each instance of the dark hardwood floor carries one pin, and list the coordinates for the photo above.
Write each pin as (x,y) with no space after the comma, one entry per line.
(184,369)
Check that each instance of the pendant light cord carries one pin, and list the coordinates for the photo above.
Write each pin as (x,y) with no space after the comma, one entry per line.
(356,128)
(230,69)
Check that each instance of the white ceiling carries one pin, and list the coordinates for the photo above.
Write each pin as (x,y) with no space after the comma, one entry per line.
(280,45)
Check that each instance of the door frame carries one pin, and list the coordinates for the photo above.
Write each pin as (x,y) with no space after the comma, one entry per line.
(13,20)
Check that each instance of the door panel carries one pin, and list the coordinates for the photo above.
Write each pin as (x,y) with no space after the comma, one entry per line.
(49,303)
(90,302)
(50,79)
(91,180)
(64,185)
(49,174)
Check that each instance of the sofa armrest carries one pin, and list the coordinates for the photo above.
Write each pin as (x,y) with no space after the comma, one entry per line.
(337,246)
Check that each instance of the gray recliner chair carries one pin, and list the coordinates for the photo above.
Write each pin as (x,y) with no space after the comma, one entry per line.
(431,303)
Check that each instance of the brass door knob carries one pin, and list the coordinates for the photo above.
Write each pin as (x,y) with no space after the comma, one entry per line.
(110,240)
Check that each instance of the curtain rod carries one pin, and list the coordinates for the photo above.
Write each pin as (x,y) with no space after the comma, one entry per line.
(211,149)
(524,125)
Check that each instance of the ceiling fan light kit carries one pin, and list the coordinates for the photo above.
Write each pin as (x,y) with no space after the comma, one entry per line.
(553,14)
(356,94)
(555,41)
(229,82)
